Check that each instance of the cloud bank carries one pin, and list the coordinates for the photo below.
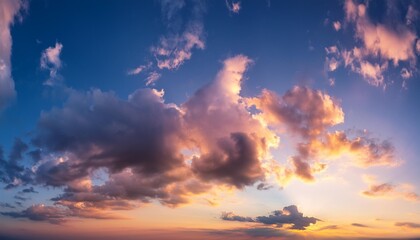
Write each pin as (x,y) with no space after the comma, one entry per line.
(147,150)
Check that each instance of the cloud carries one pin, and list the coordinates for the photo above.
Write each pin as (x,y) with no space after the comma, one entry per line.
(138,143)
(176,47)
(264,186)
(308,114)
(136,70)
(9,11)
(185,33)
(233,6)
(152,78)
(305,112)
(378,43)
(12,172)
(50,60)
(389,190)
(289,215)
(230,216)
(29,190)
(407,224)
(148,150)
(54,215)
(359,225)
(6,205)
(336,25)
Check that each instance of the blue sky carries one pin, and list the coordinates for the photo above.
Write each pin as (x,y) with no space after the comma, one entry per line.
(267,103)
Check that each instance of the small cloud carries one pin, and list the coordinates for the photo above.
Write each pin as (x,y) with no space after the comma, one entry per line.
(233,6)
(152,78)
(263,186)
(336,25)
(50,60)
(136,70)
(407,224)
(359,225)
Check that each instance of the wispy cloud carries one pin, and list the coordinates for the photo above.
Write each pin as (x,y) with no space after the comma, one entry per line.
(389,190)
(50,60)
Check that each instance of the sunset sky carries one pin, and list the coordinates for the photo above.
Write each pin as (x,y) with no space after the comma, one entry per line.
(221,119)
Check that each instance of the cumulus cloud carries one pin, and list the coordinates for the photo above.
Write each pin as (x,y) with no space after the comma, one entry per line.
(377,44)
(50,60)
(149,150)
(9,11)
(233,6)
(288,216)
(308,114)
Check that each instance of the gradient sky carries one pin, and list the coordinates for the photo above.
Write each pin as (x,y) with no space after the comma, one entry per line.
(218,119)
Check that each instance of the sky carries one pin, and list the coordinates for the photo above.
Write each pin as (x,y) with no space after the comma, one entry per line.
(187,119)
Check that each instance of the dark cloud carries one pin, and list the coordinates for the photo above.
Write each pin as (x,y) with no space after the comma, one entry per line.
(407,224)
(148,150)
(29,190)
(264,186)
(58,214)
(230,216)
(19,147)
(237,162)
(20,198)
(6,205)
(289,215)
(359,225)
(54,215)
(12,172)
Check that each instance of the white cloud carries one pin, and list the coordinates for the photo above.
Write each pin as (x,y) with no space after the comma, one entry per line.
(50,60)
(9,10)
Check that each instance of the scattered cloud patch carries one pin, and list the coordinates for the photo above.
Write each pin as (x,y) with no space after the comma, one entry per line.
(233,6)
(50,60)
